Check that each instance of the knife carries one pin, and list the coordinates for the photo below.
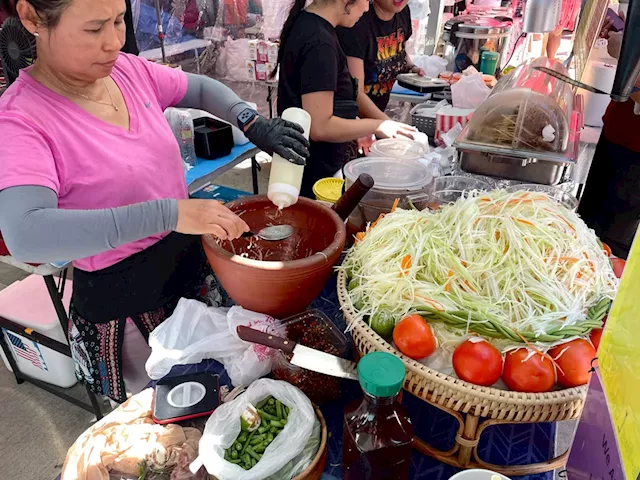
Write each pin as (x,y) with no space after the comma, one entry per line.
(304,357)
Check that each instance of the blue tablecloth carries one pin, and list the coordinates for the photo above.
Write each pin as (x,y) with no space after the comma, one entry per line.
(205,167)
(504,444)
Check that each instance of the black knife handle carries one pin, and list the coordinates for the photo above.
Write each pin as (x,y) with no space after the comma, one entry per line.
(268,340)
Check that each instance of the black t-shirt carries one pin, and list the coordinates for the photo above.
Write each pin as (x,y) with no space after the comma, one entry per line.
(381,44)
(313,61)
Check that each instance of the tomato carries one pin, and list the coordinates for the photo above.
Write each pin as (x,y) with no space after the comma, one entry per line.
(574,359)
(413,337)
(535,375)
(606,248)
(477,362)
(595,336)
(618,265)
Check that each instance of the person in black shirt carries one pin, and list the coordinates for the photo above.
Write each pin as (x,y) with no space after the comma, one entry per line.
(314,76)
(376,53)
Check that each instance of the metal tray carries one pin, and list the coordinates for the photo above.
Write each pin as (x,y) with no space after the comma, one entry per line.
(420,84)
(525,170)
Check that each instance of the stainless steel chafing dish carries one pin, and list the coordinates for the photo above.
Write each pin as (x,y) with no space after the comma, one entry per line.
(526,130)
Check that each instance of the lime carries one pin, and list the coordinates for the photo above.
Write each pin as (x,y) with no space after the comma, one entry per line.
(383,324)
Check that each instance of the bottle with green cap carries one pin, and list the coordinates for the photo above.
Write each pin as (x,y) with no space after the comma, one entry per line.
(377,430)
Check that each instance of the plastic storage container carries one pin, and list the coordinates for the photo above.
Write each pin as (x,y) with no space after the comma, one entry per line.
(286,178)
(314,330)
(527,113)
(27,303)
(447,190)
(562,197)
(377,430)
(393,179)
(398,148)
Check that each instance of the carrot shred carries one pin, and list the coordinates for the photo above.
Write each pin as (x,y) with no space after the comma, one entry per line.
(360,236)
(447,286)
(437,305)
(469,286)
(563,259)
(543,355)
(526,222)
(405,264)
(395,205)
(497,235)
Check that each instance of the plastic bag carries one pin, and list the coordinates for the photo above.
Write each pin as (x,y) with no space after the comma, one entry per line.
(433,65)
(223,427)
(469,92)
(255,360)
(196,332)
(182,128)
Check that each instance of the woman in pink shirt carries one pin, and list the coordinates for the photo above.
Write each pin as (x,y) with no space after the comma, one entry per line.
(91,172)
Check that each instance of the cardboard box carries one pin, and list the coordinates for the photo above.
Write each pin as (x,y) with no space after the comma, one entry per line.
(251,69)
(263,51)
(253,50)
(261,71)
(272,53)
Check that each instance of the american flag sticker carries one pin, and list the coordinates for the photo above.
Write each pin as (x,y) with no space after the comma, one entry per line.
(28,350)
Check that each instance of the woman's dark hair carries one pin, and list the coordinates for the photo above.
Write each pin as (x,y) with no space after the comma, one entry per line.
(48,11)
(294,13)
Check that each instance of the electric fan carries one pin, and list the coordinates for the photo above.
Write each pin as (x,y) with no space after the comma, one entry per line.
(17,48)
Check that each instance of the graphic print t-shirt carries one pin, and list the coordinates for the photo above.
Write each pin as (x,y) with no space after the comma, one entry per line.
(381,44)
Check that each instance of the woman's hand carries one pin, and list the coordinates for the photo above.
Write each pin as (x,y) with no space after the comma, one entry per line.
(199,217)
(391,129)
(418,70)
(279,136)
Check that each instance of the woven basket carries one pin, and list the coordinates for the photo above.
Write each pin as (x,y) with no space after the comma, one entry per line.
(455,394)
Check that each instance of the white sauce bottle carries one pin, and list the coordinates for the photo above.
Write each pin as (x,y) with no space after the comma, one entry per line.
(286,178)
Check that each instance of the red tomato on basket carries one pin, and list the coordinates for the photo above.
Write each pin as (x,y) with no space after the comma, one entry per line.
(413,337)
(477,362)
(595,336)
(618,265)
(536,374)
(574,359)
(606,248)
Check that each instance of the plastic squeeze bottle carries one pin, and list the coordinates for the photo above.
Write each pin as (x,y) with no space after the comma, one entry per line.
(286,178)
(377,430)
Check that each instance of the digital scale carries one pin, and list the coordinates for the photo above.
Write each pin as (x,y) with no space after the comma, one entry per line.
(183,398)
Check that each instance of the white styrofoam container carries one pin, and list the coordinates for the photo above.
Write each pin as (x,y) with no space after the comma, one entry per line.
(28,303)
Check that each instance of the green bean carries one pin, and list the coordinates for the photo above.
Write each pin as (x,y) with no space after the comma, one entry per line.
(267,415)
(279,410)
(257,439)
(246,458)
(263,429)
(252,453)
(270,437)
(238,446)
(271,401)
(262,402)
(274,430)
(235,460)
(242,437)
(246,444)
(234,454)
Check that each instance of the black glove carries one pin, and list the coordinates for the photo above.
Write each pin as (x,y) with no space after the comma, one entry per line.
(279,136)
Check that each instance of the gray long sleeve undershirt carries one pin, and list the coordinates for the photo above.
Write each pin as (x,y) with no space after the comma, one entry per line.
(37,231)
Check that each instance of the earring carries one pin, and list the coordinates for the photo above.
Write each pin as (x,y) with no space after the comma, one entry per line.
(36,34)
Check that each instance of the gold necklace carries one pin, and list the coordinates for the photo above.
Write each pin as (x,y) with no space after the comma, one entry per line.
(81,95)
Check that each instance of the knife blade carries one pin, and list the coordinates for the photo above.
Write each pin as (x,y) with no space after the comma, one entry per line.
(303,357)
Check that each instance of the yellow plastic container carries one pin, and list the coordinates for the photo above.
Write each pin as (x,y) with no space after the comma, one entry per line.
(328,189)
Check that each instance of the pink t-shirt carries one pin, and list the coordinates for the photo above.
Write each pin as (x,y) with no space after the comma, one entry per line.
(47,140)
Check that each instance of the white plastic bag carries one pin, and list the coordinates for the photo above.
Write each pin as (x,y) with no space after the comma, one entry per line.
(196,332)
(223,427)
(433,65)
(469,92)
(255,360)
(193,333)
